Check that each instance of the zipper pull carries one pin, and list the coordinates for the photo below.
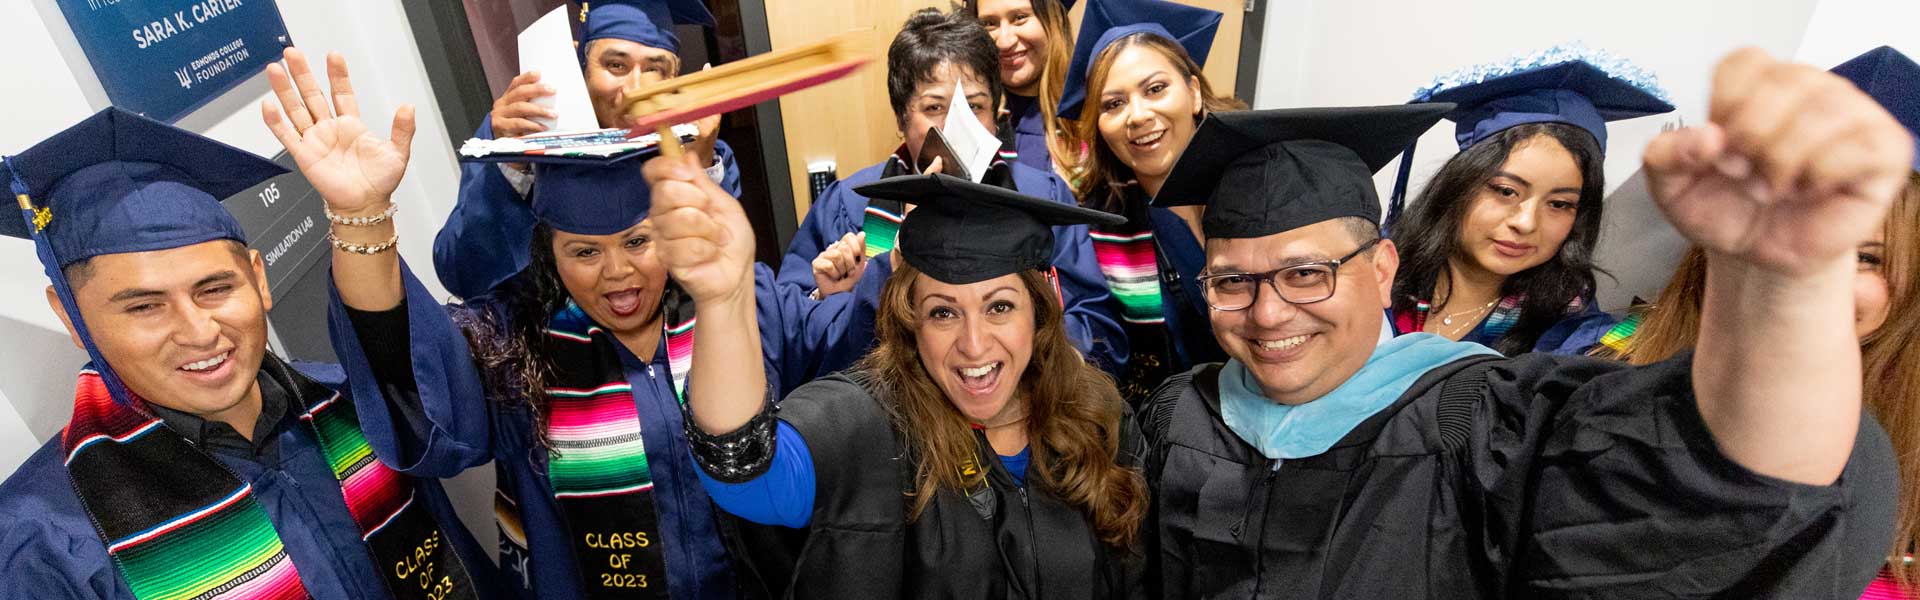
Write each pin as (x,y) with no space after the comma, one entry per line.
(650,371)
(1241,525)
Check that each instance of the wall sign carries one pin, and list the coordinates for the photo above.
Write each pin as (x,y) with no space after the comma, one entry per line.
(164,58)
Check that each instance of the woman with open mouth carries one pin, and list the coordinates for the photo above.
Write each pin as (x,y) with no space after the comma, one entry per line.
(970,454)
(1498,249)
(1137,93)
(569,379)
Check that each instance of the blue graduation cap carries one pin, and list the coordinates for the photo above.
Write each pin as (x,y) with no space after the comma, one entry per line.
(1568,84)
(645,22)
(1106,21)
(1893,80)
(119,182)
(590,198)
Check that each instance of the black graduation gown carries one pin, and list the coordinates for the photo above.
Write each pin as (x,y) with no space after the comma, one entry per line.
(860,545)
(1532,477)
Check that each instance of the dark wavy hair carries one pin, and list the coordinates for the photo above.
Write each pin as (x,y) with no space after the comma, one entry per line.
(931,37)
(506,345)
(1428,233)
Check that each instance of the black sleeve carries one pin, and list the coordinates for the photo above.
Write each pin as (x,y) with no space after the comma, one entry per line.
(383,336)
(1603,481)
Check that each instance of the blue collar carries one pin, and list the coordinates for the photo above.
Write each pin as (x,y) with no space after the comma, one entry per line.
(1280,431)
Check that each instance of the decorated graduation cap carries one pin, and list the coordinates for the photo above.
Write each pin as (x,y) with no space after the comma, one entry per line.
(598,197)
(1262,172)
(1106,21)
(962,232)
(117,183)
(1569,84)
(645,22)
(1893,80)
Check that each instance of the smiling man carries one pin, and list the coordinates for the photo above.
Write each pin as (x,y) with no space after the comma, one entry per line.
(196,463)
(1329,459)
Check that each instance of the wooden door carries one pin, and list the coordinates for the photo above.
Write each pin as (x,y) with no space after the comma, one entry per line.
(849,121)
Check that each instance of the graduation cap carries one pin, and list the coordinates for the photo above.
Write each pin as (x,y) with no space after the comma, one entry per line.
(1893,80)
(117,183)
(1569,84)
(963,232)
(1262,172)
(645,22)
(1106,21)
(597,197)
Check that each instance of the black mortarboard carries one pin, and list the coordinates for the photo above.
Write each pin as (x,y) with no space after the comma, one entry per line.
(117,183)
(962,232)
(1262,172)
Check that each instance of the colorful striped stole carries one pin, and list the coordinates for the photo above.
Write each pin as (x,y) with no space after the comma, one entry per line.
(597,464)
(180,525)
(882,225)
(1133,274)
(1616,337)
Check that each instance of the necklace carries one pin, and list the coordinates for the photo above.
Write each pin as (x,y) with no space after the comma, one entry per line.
(1448,320)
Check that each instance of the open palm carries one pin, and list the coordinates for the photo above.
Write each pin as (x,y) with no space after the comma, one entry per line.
(353,169)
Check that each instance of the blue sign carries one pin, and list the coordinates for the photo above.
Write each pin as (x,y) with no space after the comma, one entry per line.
(164,58)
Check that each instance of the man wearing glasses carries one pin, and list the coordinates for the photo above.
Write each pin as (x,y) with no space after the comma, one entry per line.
(1329,459)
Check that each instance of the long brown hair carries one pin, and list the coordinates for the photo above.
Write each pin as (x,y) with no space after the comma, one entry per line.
(1053,73)
(1099,170)
(1889,359)
(1073,417)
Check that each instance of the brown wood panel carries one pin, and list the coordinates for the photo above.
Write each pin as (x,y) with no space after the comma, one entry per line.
(847,121)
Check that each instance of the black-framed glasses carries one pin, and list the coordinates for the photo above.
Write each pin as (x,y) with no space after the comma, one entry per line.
(1304,283)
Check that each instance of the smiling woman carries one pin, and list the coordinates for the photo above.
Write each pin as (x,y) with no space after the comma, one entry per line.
(971,452)
(1498,249)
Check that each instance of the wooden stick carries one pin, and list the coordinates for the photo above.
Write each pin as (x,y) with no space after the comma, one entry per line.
(669,142)
(739,84)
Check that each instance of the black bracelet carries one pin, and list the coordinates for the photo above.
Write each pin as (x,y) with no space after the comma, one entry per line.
(737,456)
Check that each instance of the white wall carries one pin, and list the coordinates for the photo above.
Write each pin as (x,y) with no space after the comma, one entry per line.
(49,86)
(1354,52)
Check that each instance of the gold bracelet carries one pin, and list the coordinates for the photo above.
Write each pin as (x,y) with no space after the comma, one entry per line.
(376,219)
(363,249)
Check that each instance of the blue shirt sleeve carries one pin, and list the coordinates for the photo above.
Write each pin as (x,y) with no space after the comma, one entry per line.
(781,496)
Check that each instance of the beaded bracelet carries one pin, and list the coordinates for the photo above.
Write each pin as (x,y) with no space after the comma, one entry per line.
(362,248)
(361,221)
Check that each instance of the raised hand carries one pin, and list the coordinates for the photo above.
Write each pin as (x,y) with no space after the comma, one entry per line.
(700,232)
(839,267)
(1796,168)
(354,170)
(515,112)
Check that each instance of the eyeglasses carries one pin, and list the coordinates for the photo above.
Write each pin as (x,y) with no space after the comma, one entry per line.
(1304,283)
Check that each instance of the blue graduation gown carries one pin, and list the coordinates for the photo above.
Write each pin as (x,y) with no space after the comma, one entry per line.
(455,426)
(1181,302)
(1029,132)
(485,238)
(1091,311)
(49,549)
